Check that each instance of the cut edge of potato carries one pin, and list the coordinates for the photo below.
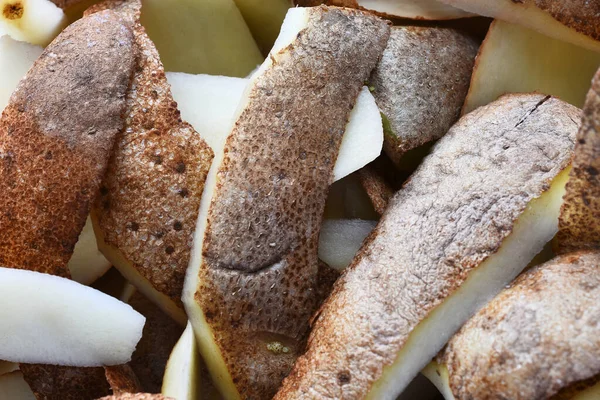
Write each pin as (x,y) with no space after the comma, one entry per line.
(539,223)
(514,58)
(529,15)
(131,274)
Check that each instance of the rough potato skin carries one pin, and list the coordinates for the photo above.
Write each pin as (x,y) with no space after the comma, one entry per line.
(53,382)
(378,190)
(581,15)
(421,84)
(579,224)
(56,136)
(149,200)
(259,269)
(451,215)
(535,339)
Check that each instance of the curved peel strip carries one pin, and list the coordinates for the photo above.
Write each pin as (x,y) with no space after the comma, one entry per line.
(52,320)
(573,21)
(282,148)
(63,116)
(473,215)
(553,311)
(146,213)
(580,215)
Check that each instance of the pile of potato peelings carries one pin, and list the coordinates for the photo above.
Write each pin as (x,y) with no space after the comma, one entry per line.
(398,187)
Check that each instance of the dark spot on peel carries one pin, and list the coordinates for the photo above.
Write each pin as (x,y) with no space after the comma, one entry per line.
(343,378)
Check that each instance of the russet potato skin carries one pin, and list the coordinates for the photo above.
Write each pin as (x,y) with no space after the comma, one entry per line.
(421,83)
(64,116)
(150,196)
(259,272)
(538,339)
(579,225)
(450,217)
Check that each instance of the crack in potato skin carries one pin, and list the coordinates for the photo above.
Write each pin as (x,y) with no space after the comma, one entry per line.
(451,215)
(538,339)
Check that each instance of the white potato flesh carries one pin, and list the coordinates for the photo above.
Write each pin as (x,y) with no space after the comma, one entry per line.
(422,9)
(16,58)
(51,320)
(181,380)
(33,21)
(210,103)
(14,387)
(527,15)
(514,59)
(340,240)
(535,227)
(87,263)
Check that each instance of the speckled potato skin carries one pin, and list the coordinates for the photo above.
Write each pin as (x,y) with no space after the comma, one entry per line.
(259,272)
(451,215)
(53,382)
(56,136)
(534,339)
(421,84)
(579,224)
(150,197)
(581,15)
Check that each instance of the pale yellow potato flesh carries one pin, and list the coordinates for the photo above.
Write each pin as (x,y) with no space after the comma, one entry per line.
(208,36)
(539,224)
(422,9)
(525,13)
(264,18)
(439,376)
(14,387)
(182,380)
(514,59)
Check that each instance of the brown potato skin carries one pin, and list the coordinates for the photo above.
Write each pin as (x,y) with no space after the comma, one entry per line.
(259,274)
(452,215)
(150,197)
(538,339)
(56,136)
(579,224)
(421,83)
